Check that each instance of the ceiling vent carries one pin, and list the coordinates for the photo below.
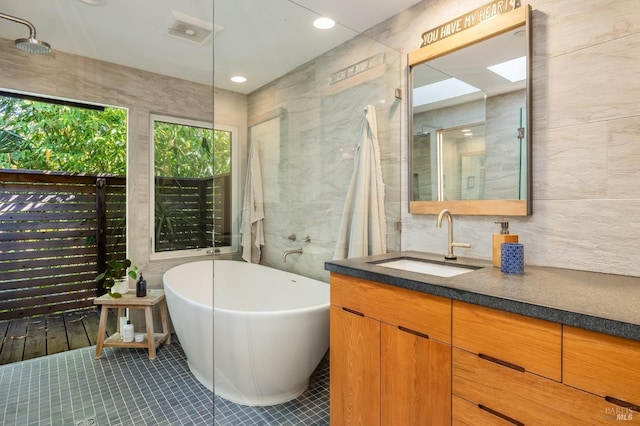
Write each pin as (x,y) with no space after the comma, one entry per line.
(188,28)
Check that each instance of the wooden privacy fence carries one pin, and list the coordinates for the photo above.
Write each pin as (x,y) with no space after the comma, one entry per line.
(183,213)
(56,232)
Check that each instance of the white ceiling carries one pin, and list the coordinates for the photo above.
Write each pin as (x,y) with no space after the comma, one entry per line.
(262,39)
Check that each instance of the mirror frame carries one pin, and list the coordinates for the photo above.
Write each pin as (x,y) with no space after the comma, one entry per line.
(516,18)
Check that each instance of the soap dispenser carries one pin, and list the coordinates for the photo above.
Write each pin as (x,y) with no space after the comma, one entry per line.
(127,333)
(498,239)
(141,287)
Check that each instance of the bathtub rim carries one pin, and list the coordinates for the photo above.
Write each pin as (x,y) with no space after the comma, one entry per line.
(179,295)
(308,309)
(167,284)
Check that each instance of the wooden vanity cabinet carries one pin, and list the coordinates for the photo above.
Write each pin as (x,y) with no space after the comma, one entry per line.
(606,366)
(387,367)
(401,357)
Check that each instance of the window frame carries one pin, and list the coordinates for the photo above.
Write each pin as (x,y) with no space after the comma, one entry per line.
(153,255)
(235,191)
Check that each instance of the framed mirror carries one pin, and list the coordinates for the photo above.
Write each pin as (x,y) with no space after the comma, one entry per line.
(469,125)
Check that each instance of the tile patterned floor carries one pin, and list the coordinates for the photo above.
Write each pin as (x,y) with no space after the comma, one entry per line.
(126,388)
(309,409)
(123,388)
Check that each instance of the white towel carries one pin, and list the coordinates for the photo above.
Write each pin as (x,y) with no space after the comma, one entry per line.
(363,230)
(253,209)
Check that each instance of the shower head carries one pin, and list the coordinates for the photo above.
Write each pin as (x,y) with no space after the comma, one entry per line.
(31,44)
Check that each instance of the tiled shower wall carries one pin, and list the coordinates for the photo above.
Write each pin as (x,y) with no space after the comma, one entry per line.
(308,128)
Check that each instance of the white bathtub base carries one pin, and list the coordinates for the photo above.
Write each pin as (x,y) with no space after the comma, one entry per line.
(202,378)
(224,389)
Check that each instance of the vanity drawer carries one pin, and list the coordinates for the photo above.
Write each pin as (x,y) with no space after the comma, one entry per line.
(606,365)
(527,398)
(464,413)
(530,343)
(424,313)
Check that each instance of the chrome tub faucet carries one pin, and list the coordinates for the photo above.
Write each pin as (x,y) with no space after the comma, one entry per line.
(288,252)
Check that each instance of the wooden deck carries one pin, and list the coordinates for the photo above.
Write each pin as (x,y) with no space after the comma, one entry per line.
(33,337)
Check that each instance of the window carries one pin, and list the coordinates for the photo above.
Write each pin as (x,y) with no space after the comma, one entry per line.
(182,185)
(38,133)
(193,187)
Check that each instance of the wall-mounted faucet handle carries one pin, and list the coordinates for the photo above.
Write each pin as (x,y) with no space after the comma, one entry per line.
(292,237)
(306,239)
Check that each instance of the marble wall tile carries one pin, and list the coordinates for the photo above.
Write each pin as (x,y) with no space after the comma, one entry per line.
(561,27)
(623,159)
(594,83)
(570,162)
(307,181)
(594,235)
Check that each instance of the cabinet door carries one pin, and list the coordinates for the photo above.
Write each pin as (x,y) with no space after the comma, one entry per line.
(608,366)
(415,378)
(354,369)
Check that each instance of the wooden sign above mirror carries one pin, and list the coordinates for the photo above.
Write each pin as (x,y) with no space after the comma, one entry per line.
(469,119)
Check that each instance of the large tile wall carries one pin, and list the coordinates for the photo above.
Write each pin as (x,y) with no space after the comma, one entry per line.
(308,130)
(586,122)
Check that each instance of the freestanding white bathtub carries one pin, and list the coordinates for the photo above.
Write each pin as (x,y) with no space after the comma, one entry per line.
(270,328)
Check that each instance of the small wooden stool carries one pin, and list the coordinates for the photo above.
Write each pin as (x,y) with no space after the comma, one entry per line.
(130,301)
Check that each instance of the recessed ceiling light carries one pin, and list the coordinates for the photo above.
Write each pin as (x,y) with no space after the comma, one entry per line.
(324,23)
(238,79)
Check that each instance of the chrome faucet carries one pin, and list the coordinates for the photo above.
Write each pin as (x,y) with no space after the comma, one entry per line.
(288,252)
(450,255)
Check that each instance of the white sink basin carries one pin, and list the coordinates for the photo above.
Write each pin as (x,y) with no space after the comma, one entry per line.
(423,266)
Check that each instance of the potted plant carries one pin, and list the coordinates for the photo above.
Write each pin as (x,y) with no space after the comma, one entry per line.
(116,276)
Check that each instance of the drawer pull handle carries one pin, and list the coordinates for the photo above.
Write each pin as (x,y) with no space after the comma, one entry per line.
(351,311)
(502,363)
(622,403)
(415,333)
(500,415)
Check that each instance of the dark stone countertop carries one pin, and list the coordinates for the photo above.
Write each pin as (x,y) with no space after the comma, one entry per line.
(594,301)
